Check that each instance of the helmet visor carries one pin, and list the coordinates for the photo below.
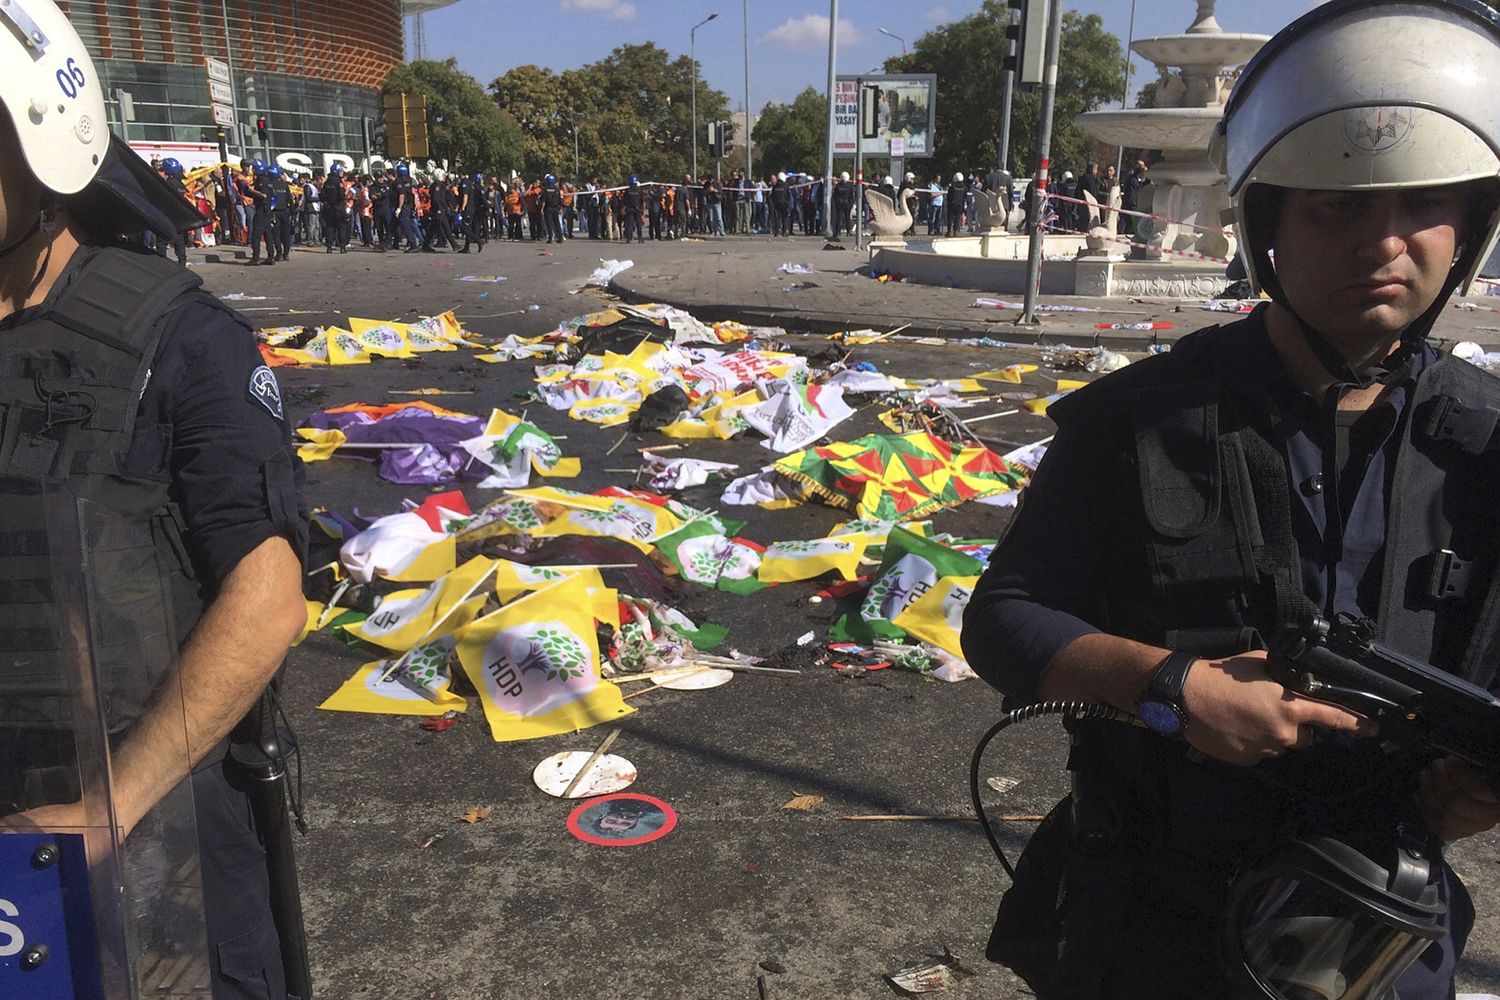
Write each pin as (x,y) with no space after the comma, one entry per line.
(1301,940)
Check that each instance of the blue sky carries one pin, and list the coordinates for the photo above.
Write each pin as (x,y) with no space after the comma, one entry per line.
(788,38)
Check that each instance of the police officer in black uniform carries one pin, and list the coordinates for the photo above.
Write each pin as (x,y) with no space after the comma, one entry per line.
(281,214)
(171,168)
(632,202)
(380,210)
(474,208)
(1317,456)
(335,211)
(120,376)
(262,226)
(440,201)
(406,209)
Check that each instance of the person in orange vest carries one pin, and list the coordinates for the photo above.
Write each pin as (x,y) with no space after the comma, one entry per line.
(534,209)
(669,209)
(569,214)
(513,210)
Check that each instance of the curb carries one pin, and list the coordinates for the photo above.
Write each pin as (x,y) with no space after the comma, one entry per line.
(827,323)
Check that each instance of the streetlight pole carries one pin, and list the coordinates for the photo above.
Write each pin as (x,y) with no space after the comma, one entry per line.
(892,34)
(749,174)
(577,175)
(693,58)
(833,52)
(1125,97)
(1043,165)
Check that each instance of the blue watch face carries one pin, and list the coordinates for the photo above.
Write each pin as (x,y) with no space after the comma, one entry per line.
(1159,717)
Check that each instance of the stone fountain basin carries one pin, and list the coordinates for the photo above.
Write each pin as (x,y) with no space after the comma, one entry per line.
(1152,128)
(1208,49)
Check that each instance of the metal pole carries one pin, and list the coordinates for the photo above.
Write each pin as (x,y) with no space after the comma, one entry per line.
(859,163)
(1043,164)
(833,52)
(693,58)
(1005,105)
(239,134)
(577,174)
(1125,97)
(749,174)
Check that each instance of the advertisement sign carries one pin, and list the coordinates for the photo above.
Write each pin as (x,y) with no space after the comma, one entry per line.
(906,109)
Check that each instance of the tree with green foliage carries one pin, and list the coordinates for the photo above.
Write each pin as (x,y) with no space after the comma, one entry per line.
(463,125)
(794,136)
(968,57)
(632,109)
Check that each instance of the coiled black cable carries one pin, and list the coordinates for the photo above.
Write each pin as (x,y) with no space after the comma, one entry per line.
(1070,709)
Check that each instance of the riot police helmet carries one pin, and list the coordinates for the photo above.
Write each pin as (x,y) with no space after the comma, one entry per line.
(1346,99)
(64,139)
(634,181)
(549,180)
(337,170)
(273,172)
(172,167)
(844,176)
(403,171)
(479,178)
(958,178)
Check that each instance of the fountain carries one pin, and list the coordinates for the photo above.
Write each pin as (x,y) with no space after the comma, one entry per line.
(1197,70)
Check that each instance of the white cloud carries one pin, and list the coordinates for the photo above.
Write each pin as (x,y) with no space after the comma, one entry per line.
(939,14)
(810,33)
(612,9)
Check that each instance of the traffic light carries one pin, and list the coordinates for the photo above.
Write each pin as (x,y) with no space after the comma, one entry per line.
(262,129)
(406,126)
(718,139)
(869,112)
(1030,36)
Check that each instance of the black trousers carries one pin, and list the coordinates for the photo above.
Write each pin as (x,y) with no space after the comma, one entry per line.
(476,230)
(244,949)
(281,228)
(260,229)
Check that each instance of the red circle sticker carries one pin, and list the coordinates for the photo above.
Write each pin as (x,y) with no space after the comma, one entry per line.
(623,820)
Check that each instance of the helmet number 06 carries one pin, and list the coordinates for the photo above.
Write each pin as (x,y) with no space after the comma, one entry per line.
(71,79)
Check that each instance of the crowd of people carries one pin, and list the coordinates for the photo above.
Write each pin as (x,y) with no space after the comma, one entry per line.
(271,210)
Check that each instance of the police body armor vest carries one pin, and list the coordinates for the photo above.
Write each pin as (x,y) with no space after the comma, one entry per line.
(71,379)
(1201,522)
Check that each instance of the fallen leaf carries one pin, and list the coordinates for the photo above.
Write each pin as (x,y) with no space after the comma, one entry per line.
(474,814)
(804,802)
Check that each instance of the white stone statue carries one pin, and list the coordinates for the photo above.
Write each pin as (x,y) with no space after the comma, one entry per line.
(888,222)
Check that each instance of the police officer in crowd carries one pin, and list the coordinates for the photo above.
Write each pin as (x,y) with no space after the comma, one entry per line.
(440,207)
(1317,456)
(280,204)
(781,207)
(953,203)
(380,209)
(552,206)
(475,210)
(262,225)
(171,169)
(406,209)
(843,205)
(632,202)
(335,211)
(161,410)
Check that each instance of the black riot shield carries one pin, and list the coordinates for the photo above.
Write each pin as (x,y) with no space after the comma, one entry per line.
(98,901)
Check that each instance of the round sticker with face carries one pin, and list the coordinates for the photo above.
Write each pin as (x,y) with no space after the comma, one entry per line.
(624,820)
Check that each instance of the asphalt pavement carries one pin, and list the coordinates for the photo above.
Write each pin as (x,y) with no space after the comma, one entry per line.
(514,907)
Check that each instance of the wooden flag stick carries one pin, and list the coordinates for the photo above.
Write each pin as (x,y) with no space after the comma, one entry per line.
(945,819)
(588,765)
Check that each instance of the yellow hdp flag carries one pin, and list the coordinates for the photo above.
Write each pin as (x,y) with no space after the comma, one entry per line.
(321,443)
(515,434)
(784,562)
(1010,373)
(408,617)
(344,349)
(604,412)
(938,615)
(366,692)
(314,352)
(385,340)
(722,420)
(431,563)
(535,664)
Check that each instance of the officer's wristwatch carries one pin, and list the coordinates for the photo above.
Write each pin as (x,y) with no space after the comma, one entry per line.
(1161,707)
